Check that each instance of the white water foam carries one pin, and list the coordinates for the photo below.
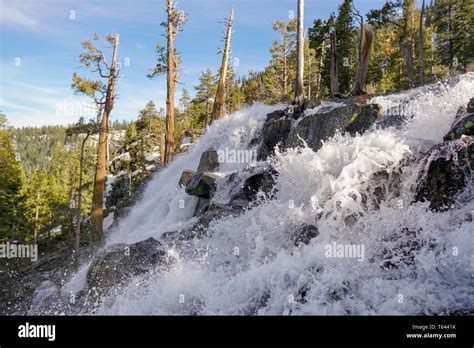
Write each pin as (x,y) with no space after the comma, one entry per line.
(249,264)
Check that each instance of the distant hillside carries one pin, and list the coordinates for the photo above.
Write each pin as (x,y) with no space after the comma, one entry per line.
(35,146)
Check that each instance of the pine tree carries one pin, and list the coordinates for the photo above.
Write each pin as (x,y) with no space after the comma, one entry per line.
(204,99)
(453,23)
(219,103)
(283,64)
(94,58)
(255,88)
(319,42)
(345,46)
(148,132)
(10,185)
(37,204)
(86,130)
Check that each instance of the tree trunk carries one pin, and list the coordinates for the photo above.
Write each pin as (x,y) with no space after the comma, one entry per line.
(142,155)
(35,235)
(218,109)
(333,67)
(101,171)
(408,52)
(320,66)
(421,52)
(363,64)
(299,89)
(170,87)
(77,240)
(406,40)
(162,145)
(285,68)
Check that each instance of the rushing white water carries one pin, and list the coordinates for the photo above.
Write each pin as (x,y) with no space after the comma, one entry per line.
(249,264)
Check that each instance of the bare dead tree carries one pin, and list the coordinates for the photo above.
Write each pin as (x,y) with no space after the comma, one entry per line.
(365,45)
(218,109)
(364,64)
(299,88)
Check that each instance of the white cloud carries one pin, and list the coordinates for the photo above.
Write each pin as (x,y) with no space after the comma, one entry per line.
(15,14)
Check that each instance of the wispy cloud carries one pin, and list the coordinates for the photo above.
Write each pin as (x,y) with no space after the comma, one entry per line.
(15,13)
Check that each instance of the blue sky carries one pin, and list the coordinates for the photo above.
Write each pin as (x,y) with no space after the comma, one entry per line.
(40,45)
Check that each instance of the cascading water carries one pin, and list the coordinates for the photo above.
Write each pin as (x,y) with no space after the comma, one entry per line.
(249,264)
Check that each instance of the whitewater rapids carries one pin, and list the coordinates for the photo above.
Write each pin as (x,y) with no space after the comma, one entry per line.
(248,264)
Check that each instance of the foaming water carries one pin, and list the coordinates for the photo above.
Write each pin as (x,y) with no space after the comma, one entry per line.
(165,206)
(249,264)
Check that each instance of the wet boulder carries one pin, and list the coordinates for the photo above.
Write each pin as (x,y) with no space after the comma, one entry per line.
(464,126)
(209,161)
(185,177)
(448,174)
(275,131)
(200,229)
(261,181)
(463,122)
(275,115)
(202,185)
(46,299)
(349,117)
(118,264)
(203,182)
(470,106)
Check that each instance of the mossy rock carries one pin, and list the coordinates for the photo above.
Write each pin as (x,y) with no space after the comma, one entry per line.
(121,262)
(275,131)
(464,126)
(448,175)
(202,185)
(470,106)
(350,117)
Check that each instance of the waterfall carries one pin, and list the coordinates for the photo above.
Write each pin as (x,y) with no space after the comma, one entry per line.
(358,191)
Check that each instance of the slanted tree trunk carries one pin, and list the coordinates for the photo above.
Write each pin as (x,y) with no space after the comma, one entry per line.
(421,53)
(299,88)
(218,109)
(333,71)
(170,85)
(363,65)
(101,171)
